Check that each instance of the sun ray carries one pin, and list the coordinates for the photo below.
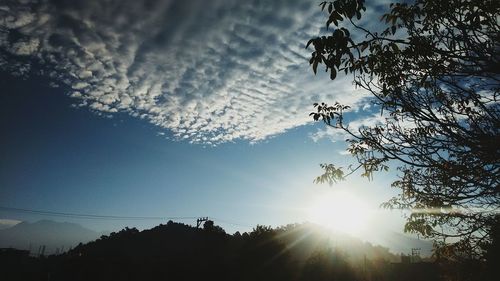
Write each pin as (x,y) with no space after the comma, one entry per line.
(340,211)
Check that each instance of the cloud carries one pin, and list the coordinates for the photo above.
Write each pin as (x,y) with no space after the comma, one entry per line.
(340,135)
(330,133)
(371,118)
(208,71)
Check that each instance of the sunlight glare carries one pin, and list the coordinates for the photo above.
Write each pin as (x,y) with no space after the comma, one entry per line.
(340,211)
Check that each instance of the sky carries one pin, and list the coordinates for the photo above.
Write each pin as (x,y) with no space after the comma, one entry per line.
(172,109)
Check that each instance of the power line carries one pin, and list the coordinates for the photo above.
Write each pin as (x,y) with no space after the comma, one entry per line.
(110,217)
(91,216)
(231,222)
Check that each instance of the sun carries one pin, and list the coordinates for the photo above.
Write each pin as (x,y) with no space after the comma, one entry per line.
(340,211)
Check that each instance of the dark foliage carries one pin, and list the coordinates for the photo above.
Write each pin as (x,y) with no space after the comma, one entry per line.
(180,252)
(433,72)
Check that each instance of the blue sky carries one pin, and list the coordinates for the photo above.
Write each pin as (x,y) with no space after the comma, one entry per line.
(169,108)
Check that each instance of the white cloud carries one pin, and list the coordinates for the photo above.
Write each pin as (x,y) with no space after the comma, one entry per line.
(330,133)
(361,121)
(210,72)
(335,134)
(25,47)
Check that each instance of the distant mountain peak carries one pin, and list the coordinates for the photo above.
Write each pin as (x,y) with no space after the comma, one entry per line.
(54,235)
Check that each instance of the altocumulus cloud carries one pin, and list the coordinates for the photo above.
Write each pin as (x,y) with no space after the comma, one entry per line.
(209,71)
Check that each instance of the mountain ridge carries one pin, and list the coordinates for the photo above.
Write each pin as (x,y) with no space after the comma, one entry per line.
(55,236)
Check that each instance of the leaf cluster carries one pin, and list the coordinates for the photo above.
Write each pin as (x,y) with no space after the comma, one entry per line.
(433,72)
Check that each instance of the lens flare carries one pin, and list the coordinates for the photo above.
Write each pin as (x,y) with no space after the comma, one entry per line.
(340,211)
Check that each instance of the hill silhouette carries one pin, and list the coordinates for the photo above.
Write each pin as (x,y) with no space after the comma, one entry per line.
(55,236)
(176,251)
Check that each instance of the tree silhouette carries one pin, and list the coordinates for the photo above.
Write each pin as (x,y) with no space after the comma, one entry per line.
(433,72)
(328,264)
(176,251)
(492,270)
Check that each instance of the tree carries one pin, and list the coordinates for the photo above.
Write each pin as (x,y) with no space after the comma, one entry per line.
(433,72)
(328,264)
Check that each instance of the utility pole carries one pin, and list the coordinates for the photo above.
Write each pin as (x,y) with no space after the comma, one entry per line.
(364,267)
(43,251)
(200,220)
(415,254)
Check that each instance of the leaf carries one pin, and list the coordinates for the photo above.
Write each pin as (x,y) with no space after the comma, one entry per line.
(309,43)
(394,47)
(315,66)
(328,22)
(364,45)
(333,74)
(346,32)
(336,5)
(337,16)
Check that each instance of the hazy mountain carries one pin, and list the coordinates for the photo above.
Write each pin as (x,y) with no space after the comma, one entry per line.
(54,235)
(400,243)
(8,223)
